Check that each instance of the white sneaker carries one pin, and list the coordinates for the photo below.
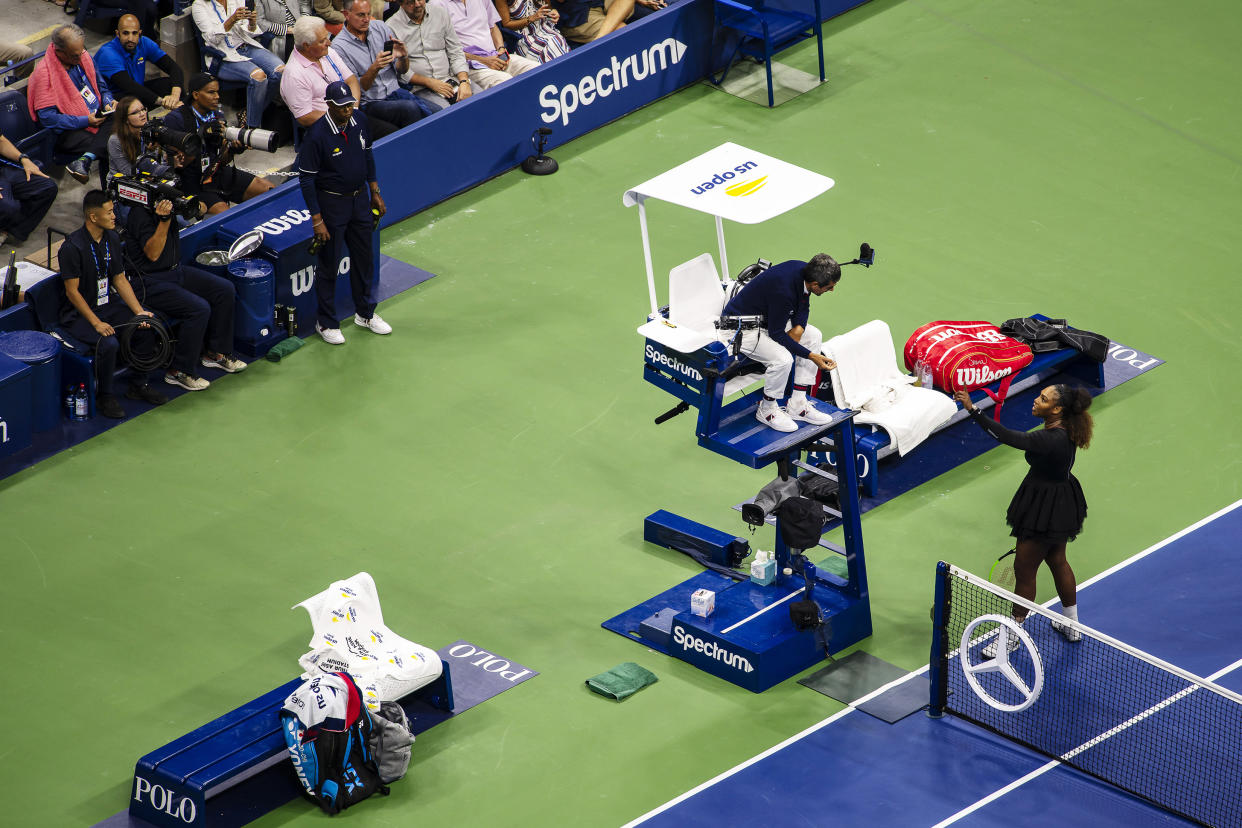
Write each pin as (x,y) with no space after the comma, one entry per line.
(990,650)
(773,416)
(332,336)
(186,381)
(224,363)
(803,409)
(1070,633)
(374,324)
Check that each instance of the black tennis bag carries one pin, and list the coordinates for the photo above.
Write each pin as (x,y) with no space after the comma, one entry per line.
(336,767)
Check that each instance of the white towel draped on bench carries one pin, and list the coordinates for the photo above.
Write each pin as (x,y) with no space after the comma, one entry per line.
(350,637)
(867,380)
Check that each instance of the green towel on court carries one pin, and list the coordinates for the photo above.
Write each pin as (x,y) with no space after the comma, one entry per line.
(283,348)
(621,681)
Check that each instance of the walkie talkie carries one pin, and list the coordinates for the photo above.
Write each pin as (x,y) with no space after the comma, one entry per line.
(9,297)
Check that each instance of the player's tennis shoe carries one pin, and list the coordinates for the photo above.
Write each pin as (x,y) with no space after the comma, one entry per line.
(773,416)
(806,411)
(990,650)
(1070,633)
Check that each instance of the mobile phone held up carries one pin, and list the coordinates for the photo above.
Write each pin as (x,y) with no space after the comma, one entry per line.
(388,46)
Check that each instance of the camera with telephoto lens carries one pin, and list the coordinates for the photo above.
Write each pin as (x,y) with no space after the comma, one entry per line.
(216,134)
(187,143)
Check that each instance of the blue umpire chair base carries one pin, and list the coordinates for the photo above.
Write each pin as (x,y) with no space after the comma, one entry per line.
(234,769)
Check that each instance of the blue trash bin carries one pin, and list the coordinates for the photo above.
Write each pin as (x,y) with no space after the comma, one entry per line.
(254,331)
(42,353)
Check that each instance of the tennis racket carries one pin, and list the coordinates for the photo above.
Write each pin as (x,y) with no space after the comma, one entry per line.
(1001,573)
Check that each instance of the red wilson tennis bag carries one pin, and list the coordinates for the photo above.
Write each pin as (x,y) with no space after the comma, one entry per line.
(967,356)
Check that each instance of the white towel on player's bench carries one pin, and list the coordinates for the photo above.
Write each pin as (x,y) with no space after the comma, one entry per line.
(867,380)
(349,636)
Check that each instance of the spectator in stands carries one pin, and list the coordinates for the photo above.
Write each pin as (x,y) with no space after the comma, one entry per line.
(65,96)
(211,176)
(15,53)
(438,67)
(232,29)
(534,23)
(312,67)
(276,17)
(26,193)
(122,64)
(202,302)
(97,296)
(331,13)
(488,60)
(388,107)
(582,21)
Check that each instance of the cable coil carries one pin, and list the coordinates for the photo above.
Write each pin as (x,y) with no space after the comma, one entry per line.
(161,352)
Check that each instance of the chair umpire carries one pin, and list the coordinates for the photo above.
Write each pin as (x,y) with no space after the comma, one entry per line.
(336,168)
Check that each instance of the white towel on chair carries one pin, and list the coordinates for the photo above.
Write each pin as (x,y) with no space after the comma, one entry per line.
(867,380)
(350,637)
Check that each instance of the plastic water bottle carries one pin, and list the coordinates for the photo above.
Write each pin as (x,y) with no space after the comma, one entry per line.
(925,375)
(80,406)
(71,409)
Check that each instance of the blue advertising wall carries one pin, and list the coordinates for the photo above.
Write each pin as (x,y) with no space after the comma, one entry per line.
(490,132)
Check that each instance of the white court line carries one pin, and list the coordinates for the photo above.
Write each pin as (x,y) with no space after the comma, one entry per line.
(740,767)
(762,611)
(1040,771)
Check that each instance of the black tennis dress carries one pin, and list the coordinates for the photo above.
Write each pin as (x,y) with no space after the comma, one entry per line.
(1049,505)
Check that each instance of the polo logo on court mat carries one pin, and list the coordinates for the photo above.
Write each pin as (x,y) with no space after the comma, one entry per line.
(998,641)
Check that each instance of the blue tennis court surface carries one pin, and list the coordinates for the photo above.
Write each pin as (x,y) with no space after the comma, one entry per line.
(1177,601)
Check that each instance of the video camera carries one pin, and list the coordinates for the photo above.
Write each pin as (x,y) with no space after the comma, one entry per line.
(215,133)
(146,188)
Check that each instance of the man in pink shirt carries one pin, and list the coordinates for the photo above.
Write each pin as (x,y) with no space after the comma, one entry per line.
(310,68)
(488,60)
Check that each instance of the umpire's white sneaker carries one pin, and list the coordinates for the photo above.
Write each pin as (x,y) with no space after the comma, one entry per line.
(374,324)
(803,409)
(332,336)
(773,416)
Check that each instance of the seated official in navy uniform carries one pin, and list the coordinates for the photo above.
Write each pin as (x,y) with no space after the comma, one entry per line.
(781,295)
(98,296)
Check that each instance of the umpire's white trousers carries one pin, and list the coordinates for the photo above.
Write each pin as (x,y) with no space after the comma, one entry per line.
(777,359)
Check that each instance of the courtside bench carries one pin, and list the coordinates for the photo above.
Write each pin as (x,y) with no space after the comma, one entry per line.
(875,445)
(233,770)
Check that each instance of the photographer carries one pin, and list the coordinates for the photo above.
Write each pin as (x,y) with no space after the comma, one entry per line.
(127,144)
(211,175)
(201,301)
(98,296)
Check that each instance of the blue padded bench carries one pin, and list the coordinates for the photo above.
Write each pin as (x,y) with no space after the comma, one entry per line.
(873,446)
(234,769)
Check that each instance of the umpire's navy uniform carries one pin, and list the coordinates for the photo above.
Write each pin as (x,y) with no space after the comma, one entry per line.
(336,169)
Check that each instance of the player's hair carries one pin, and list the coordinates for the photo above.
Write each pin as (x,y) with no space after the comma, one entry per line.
(1075,401)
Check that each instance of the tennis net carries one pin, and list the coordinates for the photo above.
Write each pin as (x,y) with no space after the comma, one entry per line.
(1097,704)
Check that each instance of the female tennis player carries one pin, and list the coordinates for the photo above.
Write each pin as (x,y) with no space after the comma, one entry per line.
(1048,509)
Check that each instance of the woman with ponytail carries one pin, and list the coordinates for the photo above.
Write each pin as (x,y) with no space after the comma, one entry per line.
(1048,509)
